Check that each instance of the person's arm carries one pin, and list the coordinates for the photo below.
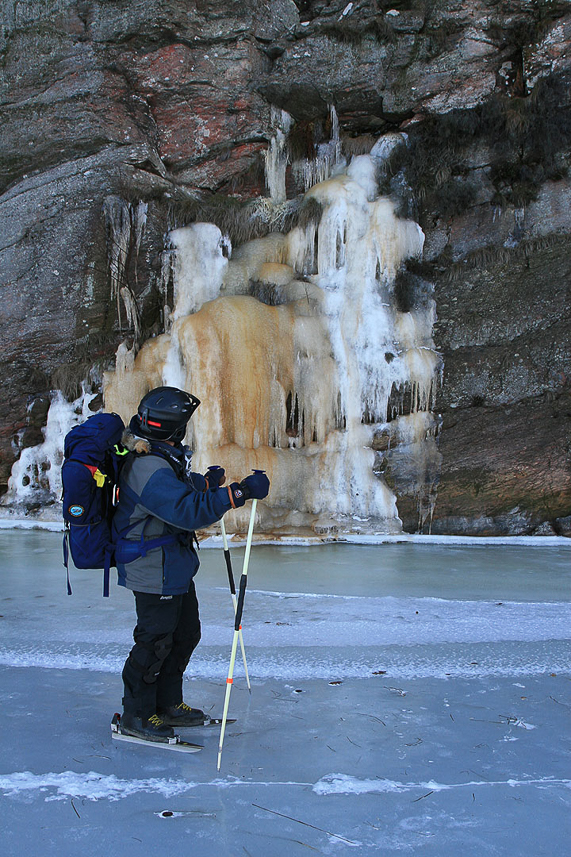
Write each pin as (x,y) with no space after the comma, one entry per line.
(179,504)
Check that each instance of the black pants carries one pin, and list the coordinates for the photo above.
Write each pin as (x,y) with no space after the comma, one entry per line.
(167,633)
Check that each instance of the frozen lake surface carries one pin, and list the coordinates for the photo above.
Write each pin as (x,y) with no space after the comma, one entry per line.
(404,697)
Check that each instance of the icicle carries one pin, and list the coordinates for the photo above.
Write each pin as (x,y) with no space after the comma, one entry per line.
(139,223)
(301,249)
(327,160)
(132,311)
(202,254)
(174,374)
(125,227)
(276,157)
(118,221)
(165,280)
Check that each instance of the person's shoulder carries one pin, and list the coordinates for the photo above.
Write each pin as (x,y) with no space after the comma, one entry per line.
(143,467)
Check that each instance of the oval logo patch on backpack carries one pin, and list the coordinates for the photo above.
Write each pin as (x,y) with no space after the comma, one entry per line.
(76,511)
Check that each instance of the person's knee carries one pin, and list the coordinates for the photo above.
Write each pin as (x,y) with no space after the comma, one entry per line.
(146,659)
(162,647)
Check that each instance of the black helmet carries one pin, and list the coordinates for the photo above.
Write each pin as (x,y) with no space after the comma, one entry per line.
(163,414)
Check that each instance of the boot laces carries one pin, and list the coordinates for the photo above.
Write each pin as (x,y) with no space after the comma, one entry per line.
(155,720)
(183,707)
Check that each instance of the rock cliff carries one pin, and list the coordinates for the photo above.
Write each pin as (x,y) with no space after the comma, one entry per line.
(120,121)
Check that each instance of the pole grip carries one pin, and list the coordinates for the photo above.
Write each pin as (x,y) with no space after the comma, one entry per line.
(240,605)
(230,572)
(227,557)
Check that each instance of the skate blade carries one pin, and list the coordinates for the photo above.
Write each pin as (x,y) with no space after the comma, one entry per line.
(214,721)
(175,743)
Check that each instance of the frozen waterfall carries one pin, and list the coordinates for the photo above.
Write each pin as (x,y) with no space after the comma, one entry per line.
(297,382)
(298,348)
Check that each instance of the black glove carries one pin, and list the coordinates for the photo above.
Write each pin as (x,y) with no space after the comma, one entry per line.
(256,486)
(253,487)
(215,476)
(238,494)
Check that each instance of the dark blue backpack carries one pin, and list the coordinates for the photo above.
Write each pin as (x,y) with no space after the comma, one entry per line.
(90,471)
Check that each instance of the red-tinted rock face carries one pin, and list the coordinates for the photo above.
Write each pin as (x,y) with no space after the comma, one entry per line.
(171,103)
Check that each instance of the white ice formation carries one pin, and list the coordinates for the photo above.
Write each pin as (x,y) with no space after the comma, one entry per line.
(36,475)
(297,382)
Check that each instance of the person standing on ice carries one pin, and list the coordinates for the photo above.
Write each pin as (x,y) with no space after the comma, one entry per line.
(161,504)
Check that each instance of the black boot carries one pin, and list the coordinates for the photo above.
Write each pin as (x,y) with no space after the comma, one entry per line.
(153,729)
(183,715)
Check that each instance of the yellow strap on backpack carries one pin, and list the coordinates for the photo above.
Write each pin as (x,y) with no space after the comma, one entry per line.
(99,478)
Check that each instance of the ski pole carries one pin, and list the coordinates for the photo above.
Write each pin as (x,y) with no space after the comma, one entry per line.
(228,559)
(238,619)
(232,583)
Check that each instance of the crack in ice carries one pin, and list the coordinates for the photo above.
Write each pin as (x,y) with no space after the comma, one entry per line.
(95,786)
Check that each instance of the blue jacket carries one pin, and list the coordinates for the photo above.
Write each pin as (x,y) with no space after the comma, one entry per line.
(158,501)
